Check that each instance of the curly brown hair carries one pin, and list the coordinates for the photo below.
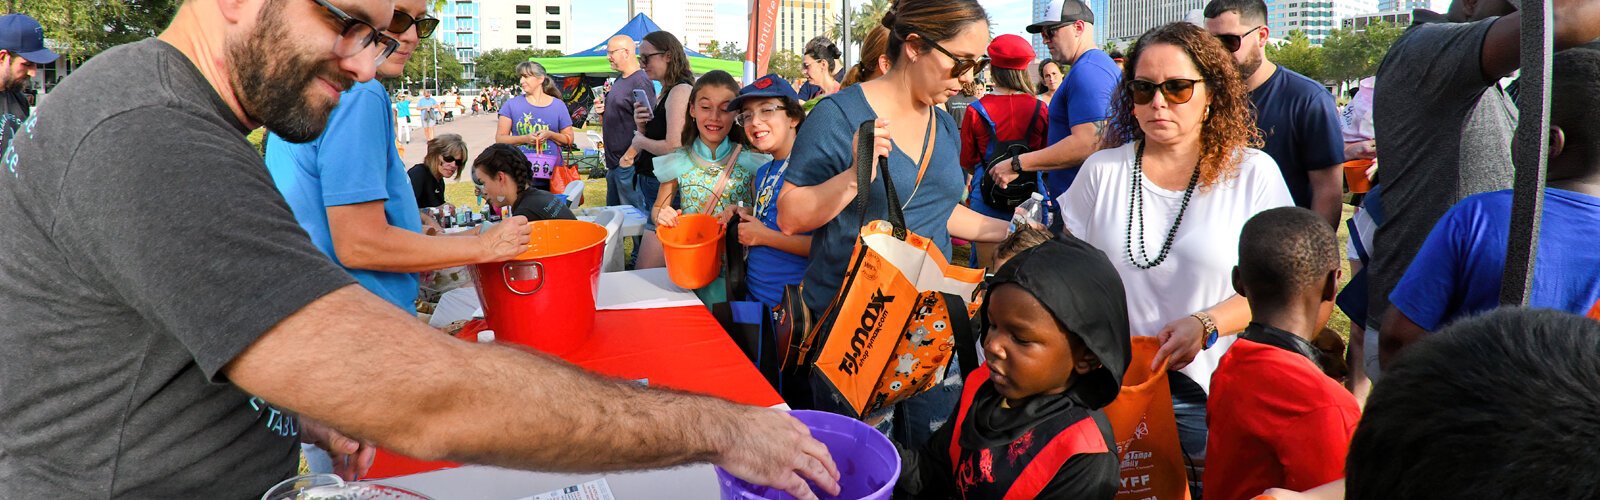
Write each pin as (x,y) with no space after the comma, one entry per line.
(1229,128)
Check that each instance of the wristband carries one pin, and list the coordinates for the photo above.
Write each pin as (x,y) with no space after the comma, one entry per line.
(1016,164)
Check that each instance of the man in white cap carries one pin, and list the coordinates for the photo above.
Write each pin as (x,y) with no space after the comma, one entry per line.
(22,50)
(1081,105)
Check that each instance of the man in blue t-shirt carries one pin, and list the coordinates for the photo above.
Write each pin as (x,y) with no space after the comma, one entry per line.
(1457,273)
(1080,107)
(1297,116)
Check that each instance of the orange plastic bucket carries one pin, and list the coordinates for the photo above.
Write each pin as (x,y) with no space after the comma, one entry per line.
(545,297)
(1355,176)
(693,250)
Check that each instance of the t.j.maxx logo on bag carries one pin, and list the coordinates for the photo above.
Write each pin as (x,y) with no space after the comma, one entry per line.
(867,333)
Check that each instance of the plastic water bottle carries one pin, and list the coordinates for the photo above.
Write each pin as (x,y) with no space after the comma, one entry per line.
(1032,212)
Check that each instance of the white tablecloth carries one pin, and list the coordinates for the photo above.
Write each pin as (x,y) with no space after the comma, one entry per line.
(638,289)
(492,483)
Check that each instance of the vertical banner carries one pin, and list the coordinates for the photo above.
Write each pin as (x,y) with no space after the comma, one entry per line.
(763,29)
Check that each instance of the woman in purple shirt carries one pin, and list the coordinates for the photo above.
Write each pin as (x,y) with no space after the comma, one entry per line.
(537,123)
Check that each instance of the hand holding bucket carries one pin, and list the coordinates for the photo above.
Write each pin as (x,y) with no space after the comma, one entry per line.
(693,249)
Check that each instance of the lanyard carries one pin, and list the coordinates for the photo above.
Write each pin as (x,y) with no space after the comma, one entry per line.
(769,187)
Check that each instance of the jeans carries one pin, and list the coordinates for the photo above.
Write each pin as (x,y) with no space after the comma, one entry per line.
(1189,409)
(620,188)
(648,186)
(317,460)
(915,419)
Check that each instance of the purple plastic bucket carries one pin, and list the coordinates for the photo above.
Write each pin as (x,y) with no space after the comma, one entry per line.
(868,464)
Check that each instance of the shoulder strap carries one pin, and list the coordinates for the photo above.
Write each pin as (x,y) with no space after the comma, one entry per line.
(968,390)
(1032,122)
(1080,438)
(864,163)
(722,180)
(929,138)
(994,136)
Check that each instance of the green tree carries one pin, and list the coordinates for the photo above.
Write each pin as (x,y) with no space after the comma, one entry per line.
(1353,55)
(785,64)
(1111,47)
(420,69)
(1299,55)
(862,21)
(724,50)
(499,66)
(85,28)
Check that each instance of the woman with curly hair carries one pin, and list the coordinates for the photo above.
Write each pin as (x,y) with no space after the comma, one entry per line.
(1167,198)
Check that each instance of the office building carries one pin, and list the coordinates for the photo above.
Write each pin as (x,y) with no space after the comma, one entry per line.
(1125,20)
(459,29)
(527,24)
(1360,23)
(1404,5)
(801,20)
(1102,13)
(1316,18)
(690,20)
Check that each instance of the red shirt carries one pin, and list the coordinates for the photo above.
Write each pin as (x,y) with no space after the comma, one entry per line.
(1011,115)
(1275,422)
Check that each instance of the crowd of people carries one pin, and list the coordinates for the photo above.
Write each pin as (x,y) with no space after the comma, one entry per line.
(1190,189)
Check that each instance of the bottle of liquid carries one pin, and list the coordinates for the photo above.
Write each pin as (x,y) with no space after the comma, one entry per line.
(462,215)
(447,216)
(1031,211)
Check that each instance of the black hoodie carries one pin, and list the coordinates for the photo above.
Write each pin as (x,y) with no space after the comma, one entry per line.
(1080,287)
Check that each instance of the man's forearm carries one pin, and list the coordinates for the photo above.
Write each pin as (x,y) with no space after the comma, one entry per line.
(1327,194)
(387,378)
(1066,153)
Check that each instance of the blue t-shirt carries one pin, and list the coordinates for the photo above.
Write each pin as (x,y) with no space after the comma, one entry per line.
(1301,125)
(770,269)
(403,108)
(828,133)
(354,161)
(425,103)
(1457,272)
(527,119)
(1084,97)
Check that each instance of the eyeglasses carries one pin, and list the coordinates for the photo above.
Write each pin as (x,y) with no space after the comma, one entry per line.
(962,65)
(450,159)
(1233,42)
(1176,91)
(645,58)
(763,114)
(403,21)
(358,35)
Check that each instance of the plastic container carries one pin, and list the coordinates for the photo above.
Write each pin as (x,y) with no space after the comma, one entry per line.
(331,487)
(1032,212)
(545,297)
(868,464)
(693,250)
(1355,176)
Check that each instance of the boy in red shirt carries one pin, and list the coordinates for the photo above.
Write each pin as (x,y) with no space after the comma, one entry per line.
(1276,420)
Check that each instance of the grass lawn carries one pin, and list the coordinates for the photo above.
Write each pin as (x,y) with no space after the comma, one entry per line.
(594,195)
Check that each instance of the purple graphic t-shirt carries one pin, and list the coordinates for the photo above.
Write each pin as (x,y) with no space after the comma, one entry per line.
(527,119)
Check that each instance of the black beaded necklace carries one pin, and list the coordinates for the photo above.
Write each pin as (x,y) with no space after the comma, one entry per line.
(1136,210)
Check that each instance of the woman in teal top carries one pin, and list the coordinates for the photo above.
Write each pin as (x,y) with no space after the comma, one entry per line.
(694,173)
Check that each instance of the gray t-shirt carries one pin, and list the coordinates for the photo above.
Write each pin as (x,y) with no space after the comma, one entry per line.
(145,248)
(1443,133)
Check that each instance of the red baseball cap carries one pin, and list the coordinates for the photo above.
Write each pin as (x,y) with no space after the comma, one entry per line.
(1010,52)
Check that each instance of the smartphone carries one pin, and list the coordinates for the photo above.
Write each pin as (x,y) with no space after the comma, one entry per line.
(640,97)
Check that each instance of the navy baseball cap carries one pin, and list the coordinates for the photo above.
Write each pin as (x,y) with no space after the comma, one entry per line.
(766,86)
(23,36)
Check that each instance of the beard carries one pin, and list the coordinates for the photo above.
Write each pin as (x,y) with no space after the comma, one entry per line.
(271,76)
(1249,66)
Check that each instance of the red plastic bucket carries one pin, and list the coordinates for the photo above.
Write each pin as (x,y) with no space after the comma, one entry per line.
(693,250)
(545,297)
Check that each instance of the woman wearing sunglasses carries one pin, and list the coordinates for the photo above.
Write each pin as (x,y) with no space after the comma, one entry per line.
(446,154)
(935,46)
(660,130)
(1168,198)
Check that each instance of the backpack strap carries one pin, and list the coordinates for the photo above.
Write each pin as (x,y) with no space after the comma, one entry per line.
(994,136)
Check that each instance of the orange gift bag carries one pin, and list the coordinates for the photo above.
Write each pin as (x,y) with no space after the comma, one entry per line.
(1146,430)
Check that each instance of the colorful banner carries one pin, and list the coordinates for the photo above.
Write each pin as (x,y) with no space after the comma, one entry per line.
(763,30)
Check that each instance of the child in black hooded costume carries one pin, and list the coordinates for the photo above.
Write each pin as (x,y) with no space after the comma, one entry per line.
(1029,423)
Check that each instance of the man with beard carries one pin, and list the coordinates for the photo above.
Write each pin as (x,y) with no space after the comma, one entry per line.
(162,307)
(1080,107)
(1297,116)
(21,51)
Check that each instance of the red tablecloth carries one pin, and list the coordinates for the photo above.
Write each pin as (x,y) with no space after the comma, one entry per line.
(682,348)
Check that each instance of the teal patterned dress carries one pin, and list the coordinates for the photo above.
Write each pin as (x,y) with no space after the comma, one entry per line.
(697,169)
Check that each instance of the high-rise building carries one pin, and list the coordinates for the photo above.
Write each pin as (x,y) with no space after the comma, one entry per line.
(801,20)
(1126,20)
(690,20)
(1360,23)
(1402,5)
(1316,18)
(526,24)
(459,28)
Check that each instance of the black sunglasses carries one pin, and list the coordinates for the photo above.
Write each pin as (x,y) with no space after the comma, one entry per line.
(645,58)
(962,65)
(1233,42)
(450,159)
(357,35)
(403,21)
(1176,91)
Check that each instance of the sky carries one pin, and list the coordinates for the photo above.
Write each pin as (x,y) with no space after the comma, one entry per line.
(597,19)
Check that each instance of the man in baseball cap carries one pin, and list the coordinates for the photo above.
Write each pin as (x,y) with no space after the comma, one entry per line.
(21,51)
